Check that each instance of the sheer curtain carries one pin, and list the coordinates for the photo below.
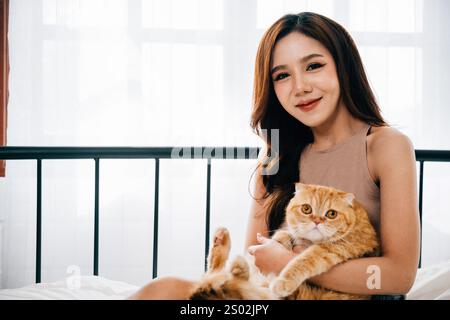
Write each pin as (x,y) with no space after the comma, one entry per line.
(180,72)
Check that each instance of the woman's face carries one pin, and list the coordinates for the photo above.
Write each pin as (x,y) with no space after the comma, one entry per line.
(305,80)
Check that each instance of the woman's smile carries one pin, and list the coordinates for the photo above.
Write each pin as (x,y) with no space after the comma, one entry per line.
(305,80)
(308,105)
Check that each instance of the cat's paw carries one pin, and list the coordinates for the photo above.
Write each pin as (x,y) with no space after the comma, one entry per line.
(219,251)
(283,237)
(239,268)
(283,287)
(221,237)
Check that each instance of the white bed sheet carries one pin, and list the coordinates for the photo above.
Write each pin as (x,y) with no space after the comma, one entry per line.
(432,283)
(82,288)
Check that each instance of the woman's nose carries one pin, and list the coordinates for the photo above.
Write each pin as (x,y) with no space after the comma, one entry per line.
(301,86)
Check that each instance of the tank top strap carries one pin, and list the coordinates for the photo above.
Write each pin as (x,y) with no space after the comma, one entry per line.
(364,132)
(362,142)
(364,160)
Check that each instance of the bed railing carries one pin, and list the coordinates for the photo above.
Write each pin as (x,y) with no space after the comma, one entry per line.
(156,153)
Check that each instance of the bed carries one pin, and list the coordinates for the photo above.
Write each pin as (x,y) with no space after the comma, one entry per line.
(432,282)
(83,288)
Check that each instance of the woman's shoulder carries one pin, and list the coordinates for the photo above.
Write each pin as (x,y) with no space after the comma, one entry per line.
(383,139)
(387,146)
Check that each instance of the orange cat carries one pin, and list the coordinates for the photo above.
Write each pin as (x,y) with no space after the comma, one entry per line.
(332,222)
(337,227)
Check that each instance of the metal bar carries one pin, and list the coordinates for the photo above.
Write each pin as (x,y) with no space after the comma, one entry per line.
(420,208)
(155,220)
(39,221)
(21,153)
(208,215)
(96,215)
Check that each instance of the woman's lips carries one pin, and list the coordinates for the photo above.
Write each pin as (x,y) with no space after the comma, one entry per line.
(308,106)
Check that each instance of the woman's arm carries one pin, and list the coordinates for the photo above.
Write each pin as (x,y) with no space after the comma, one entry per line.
(395,166)
(257,216)
(359,276)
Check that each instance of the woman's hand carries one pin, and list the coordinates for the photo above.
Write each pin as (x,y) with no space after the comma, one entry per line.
(270,255)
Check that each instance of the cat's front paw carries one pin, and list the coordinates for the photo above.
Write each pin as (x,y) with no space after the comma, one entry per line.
(283,287)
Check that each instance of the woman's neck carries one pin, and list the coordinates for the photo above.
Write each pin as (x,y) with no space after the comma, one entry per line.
(341,126)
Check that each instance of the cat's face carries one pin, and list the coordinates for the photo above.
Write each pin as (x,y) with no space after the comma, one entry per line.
(319,213)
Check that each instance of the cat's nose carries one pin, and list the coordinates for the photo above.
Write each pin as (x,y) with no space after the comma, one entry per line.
(317,220)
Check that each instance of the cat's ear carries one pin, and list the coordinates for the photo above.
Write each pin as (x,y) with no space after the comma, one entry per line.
(349,197)
(299,187)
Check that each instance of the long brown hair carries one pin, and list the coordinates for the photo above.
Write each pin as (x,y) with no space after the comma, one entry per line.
(268,114)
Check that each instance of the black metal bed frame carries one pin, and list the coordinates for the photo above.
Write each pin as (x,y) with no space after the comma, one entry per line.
(156,153)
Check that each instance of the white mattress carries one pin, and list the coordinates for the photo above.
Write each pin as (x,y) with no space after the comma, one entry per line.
(432,283)
(84,288)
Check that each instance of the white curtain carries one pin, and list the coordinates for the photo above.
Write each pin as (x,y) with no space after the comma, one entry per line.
(180,72)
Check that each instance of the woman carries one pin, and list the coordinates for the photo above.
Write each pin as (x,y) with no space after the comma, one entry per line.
(310,84)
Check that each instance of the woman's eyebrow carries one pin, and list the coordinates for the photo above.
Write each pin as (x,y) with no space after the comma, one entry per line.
(302,60)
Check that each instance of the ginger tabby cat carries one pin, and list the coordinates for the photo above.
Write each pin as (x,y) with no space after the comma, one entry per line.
(333,224)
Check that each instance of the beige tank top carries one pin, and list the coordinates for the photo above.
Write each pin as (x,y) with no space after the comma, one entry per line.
(344,166)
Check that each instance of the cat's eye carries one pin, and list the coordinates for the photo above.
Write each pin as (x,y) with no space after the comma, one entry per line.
(306,209)
(331,214)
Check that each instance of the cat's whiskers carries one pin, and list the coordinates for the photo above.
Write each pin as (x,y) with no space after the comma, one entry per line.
(327,231)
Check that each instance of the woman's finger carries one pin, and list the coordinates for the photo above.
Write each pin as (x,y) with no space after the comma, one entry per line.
(261,239)
(251,250)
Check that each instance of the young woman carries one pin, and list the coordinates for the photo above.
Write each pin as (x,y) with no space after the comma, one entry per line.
(311,85)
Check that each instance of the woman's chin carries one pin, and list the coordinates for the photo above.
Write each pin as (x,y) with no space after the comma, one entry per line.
(312,121)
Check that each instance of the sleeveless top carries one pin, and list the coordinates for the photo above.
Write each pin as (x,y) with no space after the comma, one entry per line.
(344,166)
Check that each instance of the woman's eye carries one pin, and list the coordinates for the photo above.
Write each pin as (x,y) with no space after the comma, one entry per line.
(314,66)
(280,76)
